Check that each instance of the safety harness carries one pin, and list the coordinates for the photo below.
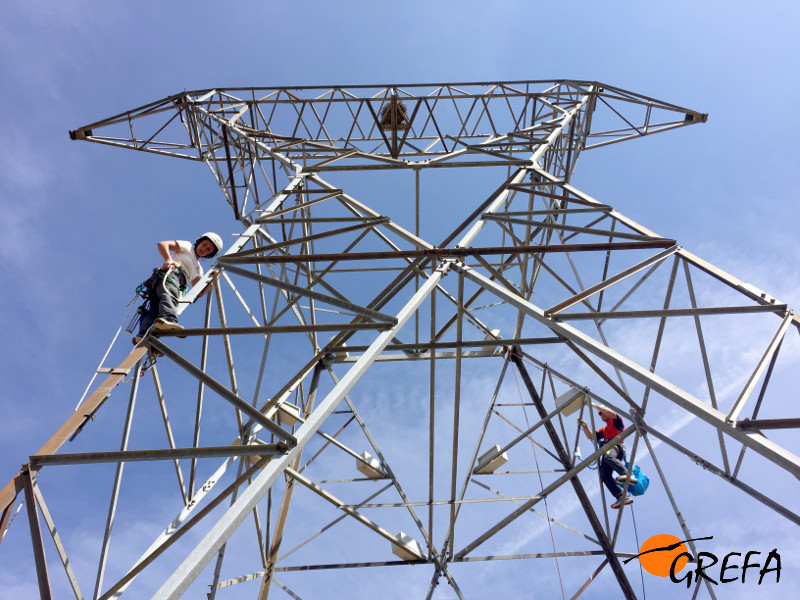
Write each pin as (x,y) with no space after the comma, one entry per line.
(146,290)
(148,286)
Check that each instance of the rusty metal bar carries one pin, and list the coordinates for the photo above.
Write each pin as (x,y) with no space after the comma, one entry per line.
(768,424)
(321,327)
(673,312)
(74,424)
(36,535)
(439,253)
(158,454)
(62,553)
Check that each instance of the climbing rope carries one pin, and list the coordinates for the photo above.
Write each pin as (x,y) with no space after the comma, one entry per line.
(113,341)
(638,545)
(146,288)
(541,483)
(11,519)
(145,291)
(593,467)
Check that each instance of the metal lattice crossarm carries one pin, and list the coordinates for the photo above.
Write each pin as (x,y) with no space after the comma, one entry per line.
(373,371)
(441,121)
(359,127)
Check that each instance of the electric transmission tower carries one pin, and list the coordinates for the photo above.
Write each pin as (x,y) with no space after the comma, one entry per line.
(380,397)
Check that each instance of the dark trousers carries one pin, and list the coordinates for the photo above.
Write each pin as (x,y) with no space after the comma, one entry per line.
(611,463)
(162,304)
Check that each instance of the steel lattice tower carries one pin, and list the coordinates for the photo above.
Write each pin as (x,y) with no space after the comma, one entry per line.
(370,360)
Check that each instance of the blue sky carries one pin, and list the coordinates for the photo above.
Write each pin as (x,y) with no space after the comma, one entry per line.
(80,221)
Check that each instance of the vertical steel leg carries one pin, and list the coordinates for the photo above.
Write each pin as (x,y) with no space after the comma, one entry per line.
(456,410)
(48,520)
(263,593)
(564,457)
(200,391)
(112,509)
(36,535)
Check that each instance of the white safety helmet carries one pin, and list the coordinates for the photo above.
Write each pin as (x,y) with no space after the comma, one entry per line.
(214,239)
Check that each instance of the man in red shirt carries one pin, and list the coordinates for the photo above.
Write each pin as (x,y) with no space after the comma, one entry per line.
(614,458)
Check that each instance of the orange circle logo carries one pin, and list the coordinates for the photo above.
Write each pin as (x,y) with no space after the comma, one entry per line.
(659,552)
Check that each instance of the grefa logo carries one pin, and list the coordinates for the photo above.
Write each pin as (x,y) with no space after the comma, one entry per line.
(665,555)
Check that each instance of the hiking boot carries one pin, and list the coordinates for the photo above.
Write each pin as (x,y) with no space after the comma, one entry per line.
(623,479)
(164,325)
(622,502)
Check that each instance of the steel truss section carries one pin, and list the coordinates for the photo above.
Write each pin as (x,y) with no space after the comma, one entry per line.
(393,366)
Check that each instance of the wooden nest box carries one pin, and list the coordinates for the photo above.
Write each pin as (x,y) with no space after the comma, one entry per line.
(394,116)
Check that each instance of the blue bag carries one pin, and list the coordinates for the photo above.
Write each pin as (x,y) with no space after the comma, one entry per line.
(642,482)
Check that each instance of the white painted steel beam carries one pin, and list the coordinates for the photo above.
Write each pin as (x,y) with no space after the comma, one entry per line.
(196,561)
(198,558)
(555,124)
(733,414)
(713,417)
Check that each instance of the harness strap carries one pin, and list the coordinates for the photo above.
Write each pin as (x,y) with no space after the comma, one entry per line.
(176,278)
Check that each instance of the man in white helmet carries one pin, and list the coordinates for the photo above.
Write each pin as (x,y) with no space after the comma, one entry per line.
(170,281)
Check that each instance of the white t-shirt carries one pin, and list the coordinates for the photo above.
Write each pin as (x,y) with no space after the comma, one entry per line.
(187,260)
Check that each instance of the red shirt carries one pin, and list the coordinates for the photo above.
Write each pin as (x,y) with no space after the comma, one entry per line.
(613,428)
